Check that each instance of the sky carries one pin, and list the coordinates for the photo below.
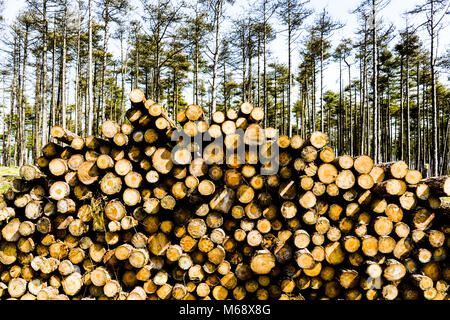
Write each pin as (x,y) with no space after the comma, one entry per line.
(338,9)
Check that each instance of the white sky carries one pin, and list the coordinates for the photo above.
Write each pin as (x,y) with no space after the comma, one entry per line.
(338,9)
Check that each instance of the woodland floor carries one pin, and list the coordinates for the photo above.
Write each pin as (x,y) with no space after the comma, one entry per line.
(7,175)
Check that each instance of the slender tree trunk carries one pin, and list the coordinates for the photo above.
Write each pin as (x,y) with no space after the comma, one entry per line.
(289,127)
(308,113)
(136,63)
(37,113)
(388,124)
(53,97)
(340,126)
(217,38)
(265,67)
(445,169)
(5,122)
(244,65)
(321,84)
(64,59)
(434,107)
(78,120)
(376,133)
(44,76)
(283,116)
(419,129)
(224,84)
(250,69)
(353,123)
(124,69)
(362,84)
(105,48)
(196,55)
(314,100)
(401,140)
(175,98)
(13,101)
(95,101)
(21,143)
(58,92)
(196,72)
(427,144)
(350,107)
(305,105)
(90,123)
(158,53)
(408,133)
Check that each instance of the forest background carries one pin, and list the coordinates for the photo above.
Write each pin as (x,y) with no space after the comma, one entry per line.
(372,74)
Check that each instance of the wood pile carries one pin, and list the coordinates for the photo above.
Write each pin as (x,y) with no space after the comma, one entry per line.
(143,213)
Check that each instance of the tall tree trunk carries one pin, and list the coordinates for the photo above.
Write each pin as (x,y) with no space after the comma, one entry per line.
(136,60)
(250,70)
(53,96)
(321,84)
(428,142)
(388,124)
(353,123)
(196,55)
(21,143)
(12,102)
(244,65)
(408,133)
(445,169)
(376,133)
(64,59)
(78,112)
(314,100)
(37,113)
(224,84)
(196,62)
(265,66)
(5,122)
(350,107)
(124,69)
(44,76)
(156,79)
(58,92)
(362,100)
(96,99)
(289,127)
(401,140)
(217,39)
(90,123)
(340,126)
(259,72)
(275,98)
(105,48)
(419,129)
(434,107)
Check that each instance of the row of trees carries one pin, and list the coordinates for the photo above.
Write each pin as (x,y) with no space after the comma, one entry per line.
(73,63)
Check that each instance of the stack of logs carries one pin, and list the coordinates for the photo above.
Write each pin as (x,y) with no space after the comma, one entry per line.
(141,213)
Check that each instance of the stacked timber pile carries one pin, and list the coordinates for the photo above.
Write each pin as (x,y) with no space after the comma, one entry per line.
(144,213)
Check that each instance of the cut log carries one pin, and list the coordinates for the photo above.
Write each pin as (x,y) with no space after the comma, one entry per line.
(88,173)
(194,112)
(363,164)
(262,262)
(397,169)
(439,185)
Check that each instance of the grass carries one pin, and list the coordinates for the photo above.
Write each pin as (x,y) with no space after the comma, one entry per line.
(7,175)
(8,171)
